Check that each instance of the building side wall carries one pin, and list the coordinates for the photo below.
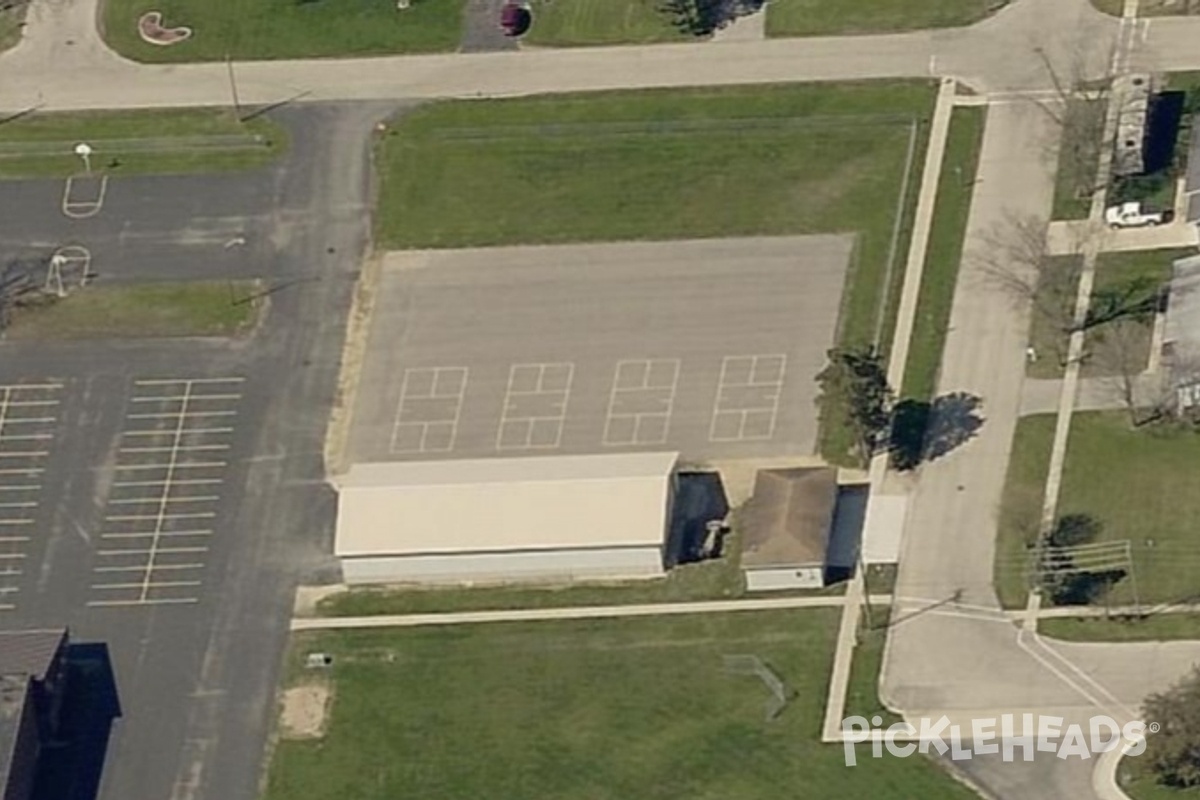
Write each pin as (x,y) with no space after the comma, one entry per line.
(781,579)
(549,565)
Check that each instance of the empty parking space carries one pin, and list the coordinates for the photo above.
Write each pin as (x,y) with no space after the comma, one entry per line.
(707,347)
(161,511)
(28,418)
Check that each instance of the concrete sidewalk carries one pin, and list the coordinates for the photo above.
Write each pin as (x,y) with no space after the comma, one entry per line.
(572,612)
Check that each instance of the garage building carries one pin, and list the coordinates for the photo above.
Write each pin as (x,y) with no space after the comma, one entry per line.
(505,519)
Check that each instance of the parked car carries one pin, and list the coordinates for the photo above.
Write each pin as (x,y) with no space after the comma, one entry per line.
(1132,215)
(515,19)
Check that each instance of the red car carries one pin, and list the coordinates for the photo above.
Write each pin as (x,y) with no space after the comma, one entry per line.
(515,19)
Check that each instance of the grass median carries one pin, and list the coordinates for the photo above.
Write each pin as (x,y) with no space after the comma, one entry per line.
(1160,627)
(944,255)
(270,29)
(136,142)
(570,23)
(821,18)
(205,308)
(1021,507)
(698,163)
(597,709)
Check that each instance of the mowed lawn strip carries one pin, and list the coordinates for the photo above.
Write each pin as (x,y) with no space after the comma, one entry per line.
(944,255)
(584,711)
(137,142)
(1021,506)
(658,165)
(567,23)
(270,29)
(203,308)
(822,18)
(1158,627)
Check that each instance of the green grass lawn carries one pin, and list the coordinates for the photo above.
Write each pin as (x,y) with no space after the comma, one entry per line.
(1053,315)
(821,18)
(1154,628)
(671,164)
(1132,280)
(203,308)
(599,709)
(11,18)
(1078,159)
(264,29)
(134,142)
(566,23)
(1139,483)
(1151,8)
(1021,506)
(944,255)
(862,691)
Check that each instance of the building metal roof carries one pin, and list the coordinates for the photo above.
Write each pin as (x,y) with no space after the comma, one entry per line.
(504,504)
(30,653)
(787,522)
(1181,329)
(14,695)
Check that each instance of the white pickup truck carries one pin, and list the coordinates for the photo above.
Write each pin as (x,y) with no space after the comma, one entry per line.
(1132,215)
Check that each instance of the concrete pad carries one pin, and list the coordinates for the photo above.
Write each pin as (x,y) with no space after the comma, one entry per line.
(709,347)
(1067,237)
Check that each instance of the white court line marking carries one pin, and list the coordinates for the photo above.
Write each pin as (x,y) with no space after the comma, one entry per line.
(564,397)
(637,417)
(463,374)
(86,208)
(166,601)
(192,381)
(774,389)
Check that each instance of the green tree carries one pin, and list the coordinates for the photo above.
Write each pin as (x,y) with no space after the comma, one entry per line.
(1174,751)
(855,387)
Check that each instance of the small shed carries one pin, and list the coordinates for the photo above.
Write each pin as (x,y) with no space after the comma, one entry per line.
(786,528)
(502,520)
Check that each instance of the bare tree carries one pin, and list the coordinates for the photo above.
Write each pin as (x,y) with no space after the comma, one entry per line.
(1119,352)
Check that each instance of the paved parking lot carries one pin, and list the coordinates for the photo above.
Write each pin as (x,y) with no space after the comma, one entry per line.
(28,417)
(706,347)
(165,494)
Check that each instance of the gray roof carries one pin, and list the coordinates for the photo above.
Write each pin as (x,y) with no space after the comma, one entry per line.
(1181,331)
(787,522)
(14,693)
(30,653)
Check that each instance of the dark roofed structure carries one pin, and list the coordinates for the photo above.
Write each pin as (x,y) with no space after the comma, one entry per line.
(786,524)
(1181,331)
(32,672)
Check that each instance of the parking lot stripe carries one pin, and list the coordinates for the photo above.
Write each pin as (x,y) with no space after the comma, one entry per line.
(160,567)
(171,499)
(15,556)
(196,413)
(23,453)
(181,465)
(147,551)
(174,449)
(187,397)
(14,538)
(191,381)
(184,482)
(185,431)
(160,517)
(145,586)
(165,601)
(17,521)
(163,534)
(20,504)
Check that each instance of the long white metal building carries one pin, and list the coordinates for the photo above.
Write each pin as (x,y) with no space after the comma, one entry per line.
(505,519)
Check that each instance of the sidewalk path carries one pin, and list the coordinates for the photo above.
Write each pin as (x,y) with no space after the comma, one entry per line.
(573,612)
(1094,394)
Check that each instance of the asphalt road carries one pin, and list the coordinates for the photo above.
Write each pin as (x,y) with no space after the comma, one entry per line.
(196,676)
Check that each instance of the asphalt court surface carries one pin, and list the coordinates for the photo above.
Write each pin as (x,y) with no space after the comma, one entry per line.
(28,419)
(707,347)
(165,495)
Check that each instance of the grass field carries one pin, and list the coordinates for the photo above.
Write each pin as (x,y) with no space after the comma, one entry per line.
(671,164)
(12,15)
(266,29)
(207,308)
(1155,628)
(1139,483)
(1053,315)
(1078,159)
(572,710)
(1021,506)
(820,18)
(133,142)
(1151,8)
(1135,278)
(944,256)
(567,23)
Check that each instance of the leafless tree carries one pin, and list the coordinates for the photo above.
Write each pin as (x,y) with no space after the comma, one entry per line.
(1119,353)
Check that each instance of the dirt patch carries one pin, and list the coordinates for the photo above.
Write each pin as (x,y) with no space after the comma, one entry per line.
(306,711)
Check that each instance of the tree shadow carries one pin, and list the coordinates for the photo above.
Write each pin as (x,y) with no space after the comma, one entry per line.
(924,431)
(703,17)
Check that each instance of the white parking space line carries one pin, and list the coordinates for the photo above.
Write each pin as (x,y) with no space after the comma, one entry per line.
(429,409)
(747,401)
(167,491)
(27,431)
(535,406)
